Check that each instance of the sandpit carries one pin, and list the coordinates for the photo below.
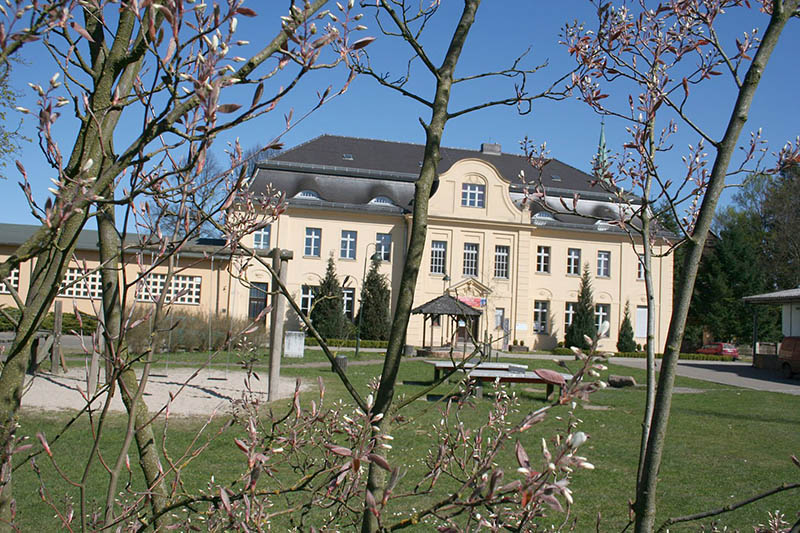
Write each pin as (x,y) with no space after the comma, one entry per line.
(209,391)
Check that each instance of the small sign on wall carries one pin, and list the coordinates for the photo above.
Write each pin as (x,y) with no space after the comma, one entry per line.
(522,326)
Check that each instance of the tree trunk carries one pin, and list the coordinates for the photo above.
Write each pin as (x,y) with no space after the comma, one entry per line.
(111,259)
(645,506)
(419,227)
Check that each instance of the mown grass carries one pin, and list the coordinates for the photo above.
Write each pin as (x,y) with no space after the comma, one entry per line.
(724,444)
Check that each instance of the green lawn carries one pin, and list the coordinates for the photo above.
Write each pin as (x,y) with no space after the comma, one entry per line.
(724,444)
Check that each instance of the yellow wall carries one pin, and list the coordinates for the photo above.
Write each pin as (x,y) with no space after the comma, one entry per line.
(499,222)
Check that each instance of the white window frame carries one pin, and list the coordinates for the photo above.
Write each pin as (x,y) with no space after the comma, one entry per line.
(570,308)
(183,289)
(13,281)
(77,283)
(640,267)
(603,264)
(307,299)
(262,237)
(347,248)
(471,251)
(349,302)
(502,255)
(640,326)
(541,310)
(573,261)
(438,257)
(383,246)
(602,313)
(313,243)
(473,195)
(543,259)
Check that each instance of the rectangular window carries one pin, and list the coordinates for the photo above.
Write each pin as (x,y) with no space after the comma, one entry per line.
(603,264)
(261,238)
(307,298)
(348,247)
(470,259)
(543,259)
(641,322)
(383,246)
(438,257)
(313,242)
(640,267)
(473,195)
(501,254)
(569,313)
(13,281)
(499,317)
(348,301)
(540,308)
(258,298)
(78,284)
(574,261)
(602,313)
(182,289)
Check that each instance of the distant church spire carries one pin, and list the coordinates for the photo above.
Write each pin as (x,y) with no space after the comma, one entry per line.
(602,154)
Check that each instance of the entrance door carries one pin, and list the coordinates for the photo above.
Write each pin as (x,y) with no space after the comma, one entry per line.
(463,327)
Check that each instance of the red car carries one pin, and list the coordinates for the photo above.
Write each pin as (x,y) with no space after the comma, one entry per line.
(720,348)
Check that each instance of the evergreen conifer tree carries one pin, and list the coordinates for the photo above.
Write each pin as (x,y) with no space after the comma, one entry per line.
(626,342)
(583,320)
(327,314)
(375,304)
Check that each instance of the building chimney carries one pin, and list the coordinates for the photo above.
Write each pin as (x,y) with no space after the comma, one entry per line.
(491,148)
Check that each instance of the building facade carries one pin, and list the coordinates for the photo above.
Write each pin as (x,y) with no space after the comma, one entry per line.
(518,262)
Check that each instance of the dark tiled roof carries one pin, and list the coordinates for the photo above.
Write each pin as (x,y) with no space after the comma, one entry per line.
(16,234)
(357,155)
(446,305)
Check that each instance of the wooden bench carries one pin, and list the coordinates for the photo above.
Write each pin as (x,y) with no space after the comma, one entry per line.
(438,366)
(510,376)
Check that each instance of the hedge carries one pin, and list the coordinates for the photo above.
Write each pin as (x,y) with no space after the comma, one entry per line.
(348,343)
(684,356)
(69,322)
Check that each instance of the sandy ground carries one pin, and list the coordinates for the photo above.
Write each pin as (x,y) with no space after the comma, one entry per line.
(202,394)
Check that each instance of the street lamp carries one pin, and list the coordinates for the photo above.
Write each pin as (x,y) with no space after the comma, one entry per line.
(445,281)
(374,257)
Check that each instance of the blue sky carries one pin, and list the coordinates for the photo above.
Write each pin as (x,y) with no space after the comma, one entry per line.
(503,30)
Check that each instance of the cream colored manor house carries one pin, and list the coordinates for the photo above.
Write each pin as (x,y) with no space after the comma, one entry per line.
(521,267)
(350,198)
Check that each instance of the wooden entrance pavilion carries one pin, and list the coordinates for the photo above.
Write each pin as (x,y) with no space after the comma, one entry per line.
(448,306)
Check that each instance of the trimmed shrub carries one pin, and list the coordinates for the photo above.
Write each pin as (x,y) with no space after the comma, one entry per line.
(69,322)
(562,351)
(583,320)
(185,331)
(683,356)
(348,343)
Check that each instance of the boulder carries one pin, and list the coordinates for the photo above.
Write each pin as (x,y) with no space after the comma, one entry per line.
(621,381)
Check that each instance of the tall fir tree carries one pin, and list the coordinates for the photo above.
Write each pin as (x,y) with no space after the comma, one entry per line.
(583,320)
(375,304)
(626,342)
(327,314)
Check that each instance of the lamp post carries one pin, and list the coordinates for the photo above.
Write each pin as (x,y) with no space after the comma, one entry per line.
(375,256)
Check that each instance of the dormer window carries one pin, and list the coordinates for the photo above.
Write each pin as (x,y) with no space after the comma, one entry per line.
(381,200)
(307,194)
(347,157)
(601,225)
(555,177)
(542,217)
(473,195)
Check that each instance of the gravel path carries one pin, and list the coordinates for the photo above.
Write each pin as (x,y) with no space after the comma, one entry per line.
(202,394)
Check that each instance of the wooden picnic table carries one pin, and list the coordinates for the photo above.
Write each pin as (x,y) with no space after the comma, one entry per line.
(447,364)
(510,376)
